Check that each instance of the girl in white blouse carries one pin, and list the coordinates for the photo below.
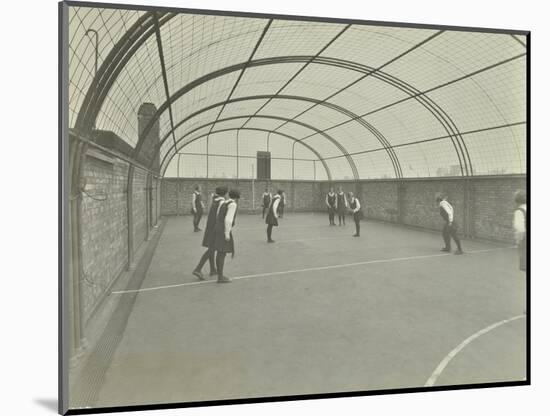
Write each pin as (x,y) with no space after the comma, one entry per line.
(355,208)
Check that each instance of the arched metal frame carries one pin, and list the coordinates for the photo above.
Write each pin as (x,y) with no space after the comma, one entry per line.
(352,116)
(413,93)
(150,22)
(308,126)
(294,139)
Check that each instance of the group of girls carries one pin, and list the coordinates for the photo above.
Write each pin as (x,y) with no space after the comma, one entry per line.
(340,203)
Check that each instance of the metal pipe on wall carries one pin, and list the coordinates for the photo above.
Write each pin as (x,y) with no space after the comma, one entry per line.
(129,215)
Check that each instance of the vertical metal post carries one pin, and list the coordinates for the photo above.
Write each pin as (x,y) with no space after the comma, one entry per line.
(76,162)
(207,146)
(149,205)
(253,191)
(237,154)
(158,195)
(314,172)
(293,146)
(178,187)
(96,46)
(130,215)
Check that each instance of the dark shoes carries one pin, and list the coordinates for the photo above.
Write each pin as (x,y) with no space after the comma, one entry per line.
(270,241)
(198,274)
(448,250)
(356,235)
(223,279)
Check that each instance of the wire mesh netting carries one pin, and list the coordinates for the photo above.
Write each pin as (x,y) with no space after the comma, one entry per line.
(328,100)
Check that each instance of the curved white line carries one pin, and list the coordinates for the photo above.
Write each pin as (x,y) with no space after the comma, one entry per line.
(439,369)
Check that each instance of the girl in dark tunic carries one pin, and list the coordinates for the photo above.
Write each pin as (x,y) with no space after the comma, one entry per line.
(197,208)
(341,206)
(281,208)
(355,207)
(223,236)
(208,239)
(330,200)
(272,215)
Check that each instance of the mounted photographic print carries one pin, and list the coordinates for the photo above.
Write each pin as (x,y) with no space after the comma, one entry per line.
(266,207)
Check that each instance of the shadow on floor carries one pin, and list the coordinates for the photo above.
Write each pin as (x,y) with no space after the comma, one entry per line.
(50,404)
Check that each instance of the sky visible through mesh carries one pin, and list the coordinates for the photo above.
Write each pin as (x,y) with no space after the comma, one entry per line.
(323,98)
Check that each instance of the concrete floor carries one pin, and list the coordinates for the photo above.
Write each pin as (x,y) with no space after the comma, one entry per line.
(373,325)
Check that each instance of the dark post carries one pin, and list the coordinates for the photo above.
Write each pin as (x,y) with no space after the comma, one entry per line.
(130,216)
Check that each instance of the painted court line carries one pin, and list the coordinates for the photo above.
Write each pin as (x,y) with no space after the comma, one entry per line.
(341,237)
(310,269)
(255,228)
(439,369)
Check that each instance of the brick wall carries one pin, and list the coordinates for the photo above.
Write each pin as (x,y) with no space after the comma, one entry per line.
(484,205)
(176,194)
(493,207)
(104,229)
(418,206)
(104,224)
(381,200)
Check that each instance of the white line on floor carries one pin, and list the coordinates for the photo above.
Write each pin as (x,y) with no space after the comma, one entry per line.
(310,269)
(439,369)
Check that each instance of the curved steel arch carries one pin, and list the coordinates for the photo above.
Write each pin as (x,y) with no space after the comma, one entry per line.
(342,149)
(441,116)
(114,63)
(375,132)
(288,136)
(144,27)
(438,113)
